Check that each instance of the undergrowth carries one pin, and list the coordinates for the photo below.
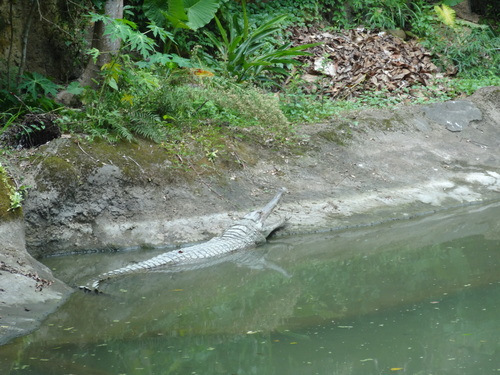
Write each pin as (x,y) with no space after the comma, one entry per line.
(201,97)
(312,108)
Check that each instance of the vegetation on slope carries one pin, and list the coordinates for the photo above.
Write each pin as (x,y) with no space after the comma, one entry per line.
(204,71)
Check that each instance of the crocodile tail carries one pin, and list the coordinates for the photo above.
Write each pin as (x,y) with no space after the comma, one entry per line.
(91,288)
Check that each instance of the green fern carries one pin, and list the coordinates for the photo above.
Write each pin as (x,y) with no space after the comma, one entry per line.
(446,15)
(147,125)
(122,131)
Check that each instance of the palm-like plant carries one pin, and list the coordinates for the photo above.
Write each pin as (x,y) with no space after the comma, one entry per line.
(248,54)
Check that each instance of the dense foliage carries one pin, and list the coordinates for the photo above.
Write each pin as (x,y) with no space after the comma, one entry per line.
(195,68)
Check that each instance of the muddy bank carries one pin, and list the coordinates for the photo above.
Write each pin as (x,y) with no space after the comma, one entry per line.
(366,167)
(360,169)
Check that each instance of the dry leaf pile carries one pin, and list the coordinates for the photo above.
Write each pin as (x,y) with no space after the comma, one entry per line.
(358,60)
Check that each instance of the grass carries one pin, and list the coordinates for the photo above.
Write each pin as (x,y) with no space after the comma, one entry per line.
(310,108)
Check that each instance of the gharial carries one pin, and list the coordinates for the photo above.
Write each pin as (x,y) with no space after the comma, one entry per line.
(250,231)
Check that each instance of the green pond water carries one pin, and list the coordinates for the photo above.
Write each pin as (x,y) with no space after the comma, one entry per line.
(417,296)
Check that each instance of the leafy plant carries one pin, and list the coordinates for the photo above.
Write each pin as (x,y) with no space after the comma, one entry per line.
(248,55)
(16,199)
(8,118)
(116,110)
(116,116)
(467,86)
(217,102)
(470,52)
(157,98)
(300,13)
(34,93)
(384,14)
(187,14)
(132,39)
(35,90)
(423,20)
(300,107)
(75,88)
(36,84)
(191,14)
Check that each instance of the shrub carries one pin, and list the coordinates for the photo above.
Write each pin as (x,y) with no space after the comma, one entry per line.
(249,54)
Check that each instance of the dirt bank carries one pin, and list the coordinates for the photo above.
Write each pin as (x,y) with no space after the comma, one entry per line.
(366,167)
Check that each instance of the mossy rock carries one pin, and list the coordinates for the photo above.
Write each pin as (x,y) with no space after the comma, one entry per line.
(140,162)
(57,172)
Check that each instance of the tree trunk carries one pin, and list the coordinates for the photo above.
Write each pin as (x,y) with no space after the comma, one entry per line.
(107,47)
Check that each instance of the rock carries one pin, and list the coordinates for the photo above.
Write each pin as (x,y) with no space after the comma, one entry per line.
(68,99)
(398,33)
(454,115)
(28,290)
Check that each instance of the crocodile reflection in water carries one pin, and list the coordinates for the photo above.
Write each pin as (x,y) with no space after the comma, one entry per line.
(245,259)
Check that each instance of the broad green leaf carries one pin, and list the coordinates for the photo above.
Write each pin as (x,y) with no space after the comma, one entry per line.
(165,59)
(118,30)
(153,10)
(36,84)
(273,22)
(142,43)
(181,61)
(129,23)
(222,31)
(75,88)
(176,14)
(112,83)
(95,17)
(176,10)
(160,32)
(176,22)
(200,12)
(190,14)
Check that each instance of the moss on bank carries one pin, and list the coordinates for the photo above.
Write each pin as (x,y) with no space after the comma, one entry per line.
(7,189)
(67,163)
(57,172)
(75,160)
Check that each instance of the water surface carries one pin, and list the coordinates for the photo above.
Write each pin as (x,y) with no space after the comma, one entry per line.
(415,297)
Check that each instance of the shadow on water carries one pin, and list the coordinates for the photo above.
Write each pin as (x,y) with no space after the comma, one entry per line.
(414,297)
